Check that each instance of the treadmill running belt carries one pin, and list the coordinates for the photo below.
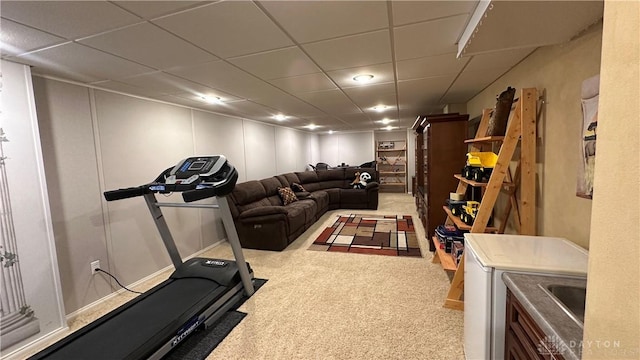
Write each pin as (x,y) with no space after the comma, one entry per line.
(153,320)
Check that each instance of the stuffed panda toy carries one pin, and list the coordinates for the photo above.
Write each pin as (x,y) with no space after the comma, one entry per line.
(361,183)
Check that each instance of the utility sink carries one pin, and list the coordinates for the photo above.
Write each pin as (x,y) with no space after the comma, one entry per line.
(570,298)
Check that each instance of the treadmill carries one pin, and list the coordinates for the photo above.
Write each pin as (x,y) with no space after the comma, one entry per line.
(197,293)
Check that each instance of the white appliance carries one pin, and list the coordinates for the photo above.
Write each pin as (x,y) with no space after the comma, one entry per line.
(486,257)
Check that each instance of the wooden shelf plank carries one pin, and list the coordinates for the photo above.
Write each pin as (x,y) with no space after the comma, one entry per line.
(393,184)
(392,172)
(445,258)
(454,304)
(461,225)
(381,150)
(484,139)
(505,185)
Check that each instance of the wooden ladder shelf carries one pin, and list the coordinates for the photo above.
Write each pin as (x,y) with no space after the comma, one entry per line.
(521,128)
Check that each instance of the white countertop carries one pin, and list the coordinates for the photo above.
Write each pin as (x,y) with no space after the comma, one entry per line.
(528,253)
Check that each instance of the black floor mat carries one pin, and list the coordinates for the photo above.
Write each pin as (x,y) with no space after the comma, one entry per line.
(200,344)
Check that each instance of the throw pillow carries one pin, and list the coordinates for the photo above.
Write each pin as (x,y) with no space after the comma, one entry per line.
(287,195)
(297,187)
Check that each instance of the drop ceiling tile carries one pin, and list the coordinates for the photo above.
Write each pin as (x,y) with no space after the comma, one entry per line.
(428,38)
(161,49)
(16,39)
(277,63)
(351,51)
(287,104)
(226,77)
(425,92)
(445,64)
(304,83)
(250,109)
(405,12)
(197,97)
(227,29)
(500,59)
(471,83)
(368,97)
(408,115)
(150,9)
(184,102)
(382,73)
(126,88)
(173,85)
(308,21)
(81,63)
(332,102)
(68,19)
(357,118)
(324,123)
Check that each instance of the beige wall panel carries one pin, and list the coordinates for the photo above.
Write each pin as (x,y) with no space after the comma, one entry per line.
(218,134)
(66,134)
(356,148)
(557,72)
(314,148)
(301,150)
(350,148)
(292,150)
(286,157)
(138,140)
(612,325)
(260,150)
(328,149)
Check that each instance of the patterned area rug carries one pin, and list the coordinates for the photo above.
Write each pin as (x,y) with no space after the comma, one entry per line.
(392,235)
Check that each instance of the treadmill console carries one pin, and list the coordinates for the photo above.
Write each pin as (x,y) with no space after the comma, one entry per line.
(197,177)
(192,169)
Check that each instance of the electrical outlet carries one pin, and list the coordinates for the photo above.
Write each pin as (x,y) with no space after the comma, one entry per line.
(95,265)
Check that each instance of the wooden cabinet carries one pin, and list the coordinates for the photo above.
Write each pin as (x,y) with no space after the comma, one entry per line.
(392,165)
(524,340)
(443,155)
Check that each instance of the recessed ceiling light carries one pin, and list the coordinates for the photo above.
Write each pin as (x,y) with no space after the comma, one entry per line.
(363,78)
(380,108)
(312,126)
(211,99)
(280,117)
(385,121)
(330,132)
(389,128)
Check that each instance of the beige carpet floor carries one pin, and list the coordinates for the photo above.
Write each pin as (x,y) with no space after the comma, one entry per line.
(324,305)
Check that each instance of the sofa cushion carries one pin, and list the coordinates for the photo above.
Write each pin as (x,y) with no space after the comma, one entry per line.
(287,195)
(297,187)
(332,179)
(296,215)
(290,178)
(271,186)
(309,207)
(321,197)
(248,192)
(307,177)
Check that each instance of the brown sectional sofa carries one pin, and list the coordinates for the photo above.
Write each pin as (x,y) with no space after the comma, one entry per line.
(263,222)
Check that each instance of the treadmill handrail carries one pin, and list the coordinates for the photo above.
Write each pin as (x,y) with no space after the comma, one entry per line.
(126,193)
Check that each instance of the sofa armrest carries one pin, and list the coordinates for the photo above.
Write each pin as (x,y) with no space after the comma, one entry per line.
(263,211)
(372,185)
